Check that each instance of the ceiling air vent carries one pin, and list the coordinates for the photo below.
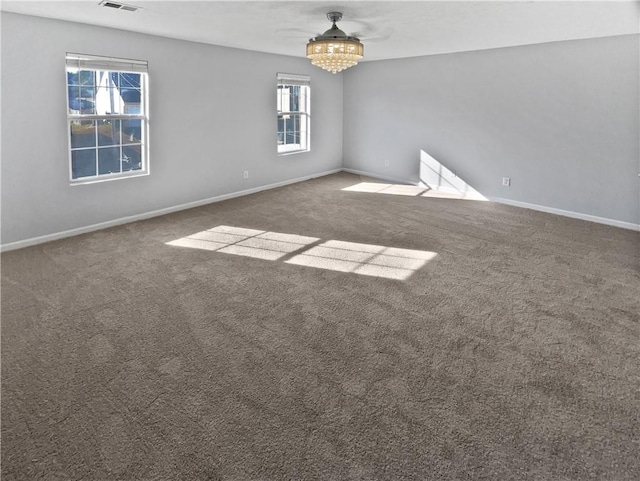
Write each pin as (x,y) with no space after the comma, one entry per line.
(118,6)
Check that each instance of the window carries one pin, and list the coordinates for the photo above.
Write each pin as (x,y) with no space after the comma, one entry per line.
(107,112)
(293,101)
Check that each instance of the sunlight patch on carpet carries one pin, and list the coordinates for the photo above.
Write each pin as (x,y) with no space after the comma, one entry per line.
(335,255)
(413,191)
(364,259)
(382,188)
(245,242)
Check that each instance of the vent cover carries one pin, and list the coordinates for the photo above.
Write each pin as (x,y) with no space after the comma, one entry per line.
(118,6)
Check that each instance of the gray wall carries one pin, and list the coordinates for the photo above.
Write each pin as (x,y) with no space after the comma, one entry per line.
(559,119)
(212,116)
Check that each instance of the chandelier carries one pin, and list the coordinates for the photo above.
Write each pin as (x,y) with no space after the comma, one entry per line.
(334,50)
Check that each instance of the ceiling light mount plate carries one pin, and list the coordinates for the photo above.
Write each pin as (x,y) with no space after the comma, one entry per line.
(334,16)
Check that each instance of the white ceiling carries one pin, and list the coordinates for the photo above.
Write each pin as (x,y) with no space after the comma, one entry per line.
(389,29)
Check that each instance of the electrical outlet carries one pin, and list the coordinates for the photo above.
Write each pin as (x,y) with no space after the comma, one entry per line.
(506,181)
(386,162)
(245,174)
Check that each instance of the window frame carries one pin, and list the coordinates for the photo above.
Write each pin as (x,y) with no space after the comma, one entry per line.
(303,114)
(94,63)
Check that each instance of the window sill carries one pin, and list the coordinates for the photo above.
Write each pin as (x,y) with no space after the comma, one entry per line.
(107,178)
(292,152)
(291,149)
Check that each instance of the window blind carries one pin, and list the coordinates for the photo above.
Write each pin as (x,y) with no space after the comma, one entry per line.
(93,62)
(293,79)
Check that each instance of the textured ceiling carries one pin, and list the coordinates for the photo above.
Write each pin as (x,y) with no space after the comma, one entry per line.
(388,29)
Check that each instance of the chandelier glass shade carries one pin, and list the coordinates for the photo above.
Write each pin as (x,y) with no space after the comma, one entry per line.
(334,50)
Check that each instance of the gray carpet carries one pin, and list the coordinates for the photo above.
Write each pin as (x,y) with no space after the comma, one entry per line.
(511,353)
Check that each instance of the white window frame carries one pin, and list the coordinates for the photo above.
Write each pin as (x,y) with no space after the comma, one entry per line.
(303,114)
(75,61)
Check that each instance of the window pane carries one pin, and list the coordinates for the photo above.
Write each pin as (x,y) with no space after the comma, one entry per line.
(87,77)
(132,157)
(109,160)
(289,129)
(81,88)
(108,99)
(72,78)
(83,133)
(132,100)
(129,80)
(280,130)
(130,92)
(294,99)
(88,92)
(74,98)
(288,98)
(282,98)
(81,100)
(83,163)
(109,132)
(132,131)
(80,77)
(115,79)
(296,130)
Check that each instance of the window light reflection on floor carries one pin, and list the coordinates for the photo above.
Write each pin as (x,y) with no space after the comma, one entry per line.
(363,259)
(245,242)
(382,188)
(411,190)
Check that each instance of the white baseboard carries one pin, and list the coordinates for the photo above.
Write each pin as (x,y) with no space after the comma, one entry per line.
(568,213)
(168,210)
(516,203)
(155,213)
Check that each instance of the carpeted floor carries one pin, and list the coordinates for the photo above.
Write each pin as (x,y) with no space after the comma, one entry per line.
(478,341)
